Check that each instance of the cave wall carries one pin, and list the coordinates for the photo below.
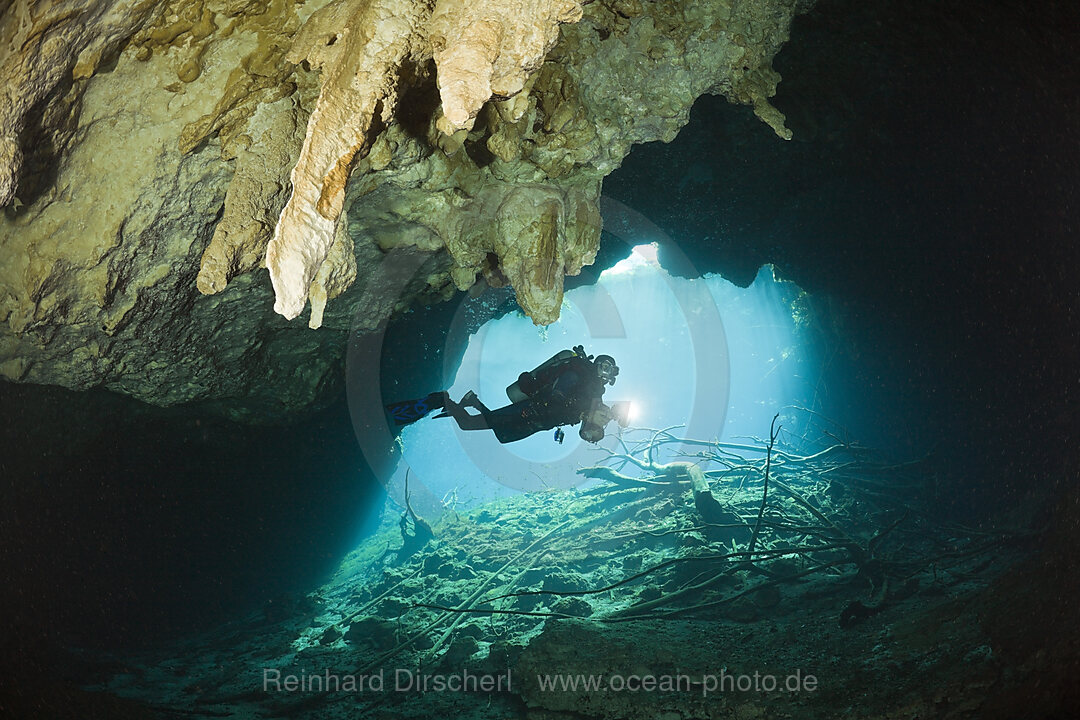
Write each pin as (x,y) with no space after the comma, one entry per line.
(927,197)
(926,201)
(158,155)
(124,524)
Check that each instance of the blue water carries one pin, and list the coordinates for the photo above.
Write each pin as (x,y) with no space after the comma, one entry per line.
(704,357)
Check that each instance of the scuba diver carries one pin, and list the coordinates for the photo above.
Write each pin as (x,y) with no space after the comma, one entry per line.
(566,390)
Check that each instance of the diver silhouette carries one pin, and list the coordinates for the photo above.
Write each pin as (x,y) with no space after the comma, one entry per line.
(565,390)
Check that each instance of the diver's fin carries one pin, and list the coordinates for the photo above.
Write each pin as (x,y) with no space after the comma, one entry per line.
(409,411)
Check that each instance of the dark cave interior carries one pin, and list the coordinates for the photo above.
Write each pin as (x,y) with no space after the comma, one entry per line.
(928,202)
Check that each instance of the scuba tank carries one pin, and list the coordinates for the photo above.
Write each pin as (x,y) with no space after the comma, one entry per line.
(514,391)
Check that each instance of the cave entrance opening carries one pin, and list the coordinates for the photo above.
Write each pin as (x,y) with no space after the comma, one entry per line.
(702,355)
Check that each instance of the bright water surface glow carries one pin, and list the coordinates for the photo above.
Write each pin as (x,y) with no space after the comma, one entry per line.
(702,353)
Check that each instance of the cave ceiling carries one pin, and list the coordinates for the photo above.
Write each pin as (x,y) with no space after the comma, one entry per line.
(201,198)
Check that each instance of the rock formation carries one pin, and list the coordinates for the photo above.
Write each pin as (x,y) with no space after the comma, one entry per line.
(153,156)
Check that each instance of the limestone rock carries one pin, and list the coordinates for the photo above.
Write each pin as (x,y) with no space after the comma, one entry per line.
(363,50)
(43,45)
(255,195)
(359,46)
(334,276)
(573,122)
(97,276)
(490,47)
(171,162)
(259,119)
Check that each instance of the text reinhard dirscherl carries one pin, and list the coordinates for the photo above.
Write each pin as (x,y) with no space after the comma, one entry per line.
(407,680)
(403,681)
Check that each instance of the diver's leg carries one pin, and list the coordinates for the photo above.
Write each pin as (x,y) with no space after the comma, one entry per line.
(464,420)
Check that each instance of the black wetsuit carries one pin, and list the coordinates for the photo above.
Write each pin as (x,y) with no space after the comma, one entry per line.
(557,395)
